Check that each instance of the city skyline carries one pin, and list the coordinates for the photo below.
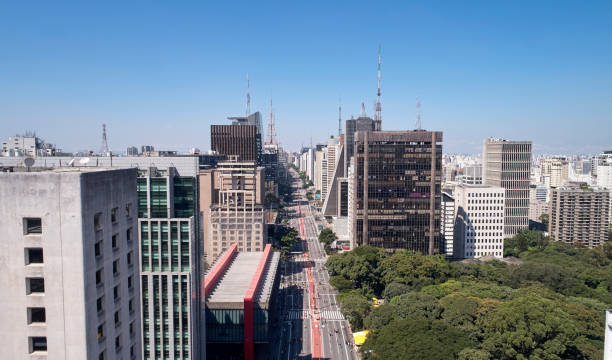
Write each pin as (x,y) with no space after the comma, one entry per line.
(542,74)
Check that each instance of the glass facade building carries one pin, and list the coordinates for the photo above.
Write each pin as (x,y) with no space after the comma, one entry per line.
(170,258)
(397,190)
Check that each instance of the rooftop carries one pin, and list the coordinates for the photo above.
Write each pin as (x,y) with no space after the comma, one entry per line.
(232,287)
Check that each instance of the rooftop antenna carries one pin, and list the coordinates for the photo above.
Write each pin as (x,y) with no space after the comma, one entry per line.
(378,115)
(248,104)
(339,117)
(104,147)
(363,111)
(417,125)
(271,138)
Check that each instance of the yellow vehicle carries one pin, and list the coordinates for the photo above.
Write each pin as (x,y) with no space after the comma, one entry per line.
(360,337)
(377,302)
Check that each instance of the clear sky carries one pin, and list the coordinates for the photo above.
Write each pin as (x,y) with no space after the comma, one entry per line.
(161,72)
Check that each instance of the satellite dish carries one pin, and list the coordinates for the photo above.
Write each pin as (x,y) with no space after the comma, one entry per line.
(28,162)
(84,161)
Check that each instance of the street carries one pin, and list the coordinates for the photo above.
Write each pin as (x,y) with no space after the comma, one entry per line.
(309,322)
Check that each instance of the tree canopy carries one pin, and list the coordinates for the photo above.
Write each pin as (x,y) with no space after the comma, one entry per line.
(551,306)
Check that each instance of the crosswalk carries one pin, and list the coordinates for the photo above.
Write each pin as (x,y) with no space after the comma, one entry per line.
(297,315)
(332,315)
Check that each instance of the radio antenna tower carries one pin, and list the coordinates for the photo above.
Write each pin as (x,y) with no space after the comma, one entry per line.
(339,117)
(104,148)
(363,111)
(271,138)
(417,124)
(248,104)
(378,115)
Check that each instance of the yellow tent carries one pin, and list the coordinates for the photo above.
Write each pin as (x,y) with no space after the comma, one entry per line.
(360,337)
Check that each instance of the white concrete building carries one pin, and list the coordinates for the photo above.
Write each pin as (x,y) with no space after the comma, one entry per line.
(68,265)
(554,171)
(479,222)
(447,222)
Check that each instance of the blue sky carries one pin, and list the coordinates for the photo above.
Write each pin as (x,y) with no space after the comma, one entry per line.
(162,72)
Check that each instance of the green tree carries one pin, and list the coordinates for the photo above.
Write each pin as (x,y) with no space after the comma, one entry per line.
(415,269)
(416,338)
(395,289)
(416,304)
(355,307)
(528,327)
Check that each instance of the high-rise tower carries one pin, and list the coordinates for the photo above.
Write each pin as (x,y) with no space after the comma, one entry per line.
(271,137)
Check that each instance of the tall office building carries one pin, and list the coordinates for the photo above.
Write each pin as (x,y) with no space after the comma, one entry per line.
(579,215)
(132,151)
(555,171)
(68,265)
(507,164)
(397,189)
(231,198)
(171,265)
(362,123)
(479,222)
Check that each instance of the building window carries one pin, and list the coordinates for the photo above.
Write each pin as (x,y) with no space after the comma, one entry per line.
(129,256)
(114,212)
(116,268)
(117,318)
(100,277)
(98,248)
(35,286)
(132,328)
(100,304)
(98,221)
(131,305)
(36,315)
(130,282)
(38,343)
(32,226)
(118,343)
(34,256)
(101,332)
(128,210)
(115,242)
(116,293)
(128,234)
(101,356)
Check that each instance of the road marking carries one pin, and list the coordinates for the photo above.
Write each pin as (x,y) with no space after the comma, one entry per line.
(332,315)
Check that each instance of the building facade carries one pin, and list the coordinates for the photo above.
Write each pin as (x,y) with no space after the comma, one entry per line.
(579,215)
(170,266)
(479,222)
(507,164)
(397,190)
(447,222)
(231,199)
(555,171)
(68,265)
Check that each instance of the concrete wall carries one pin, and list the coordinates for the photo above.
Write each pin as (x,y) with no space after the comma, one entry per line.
(66,202)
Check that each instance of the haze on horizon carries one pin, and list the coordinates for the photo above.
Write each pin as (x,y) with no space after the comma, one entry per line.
(161,74)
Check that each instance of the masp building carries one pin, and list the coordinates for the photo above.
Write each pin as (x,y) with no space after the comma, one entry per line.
(238,292)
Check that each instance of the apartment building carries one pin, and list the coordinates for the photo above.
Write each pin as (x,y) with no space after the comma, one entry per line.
(579,215)
(555,171)
(68,265)
(479,222)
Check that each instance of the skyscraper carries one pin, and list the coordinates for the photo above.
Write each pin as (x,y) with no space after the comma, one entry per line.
(397,189)
(507,164)
(69,265)
(362,123)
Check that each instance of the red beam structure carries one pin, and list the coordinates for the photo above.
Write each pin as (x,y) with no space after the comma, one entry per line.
(220,267)
(249,298)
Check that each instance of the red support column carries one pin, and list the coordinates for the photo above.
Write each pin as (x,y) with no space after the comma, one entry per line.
(249,345)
